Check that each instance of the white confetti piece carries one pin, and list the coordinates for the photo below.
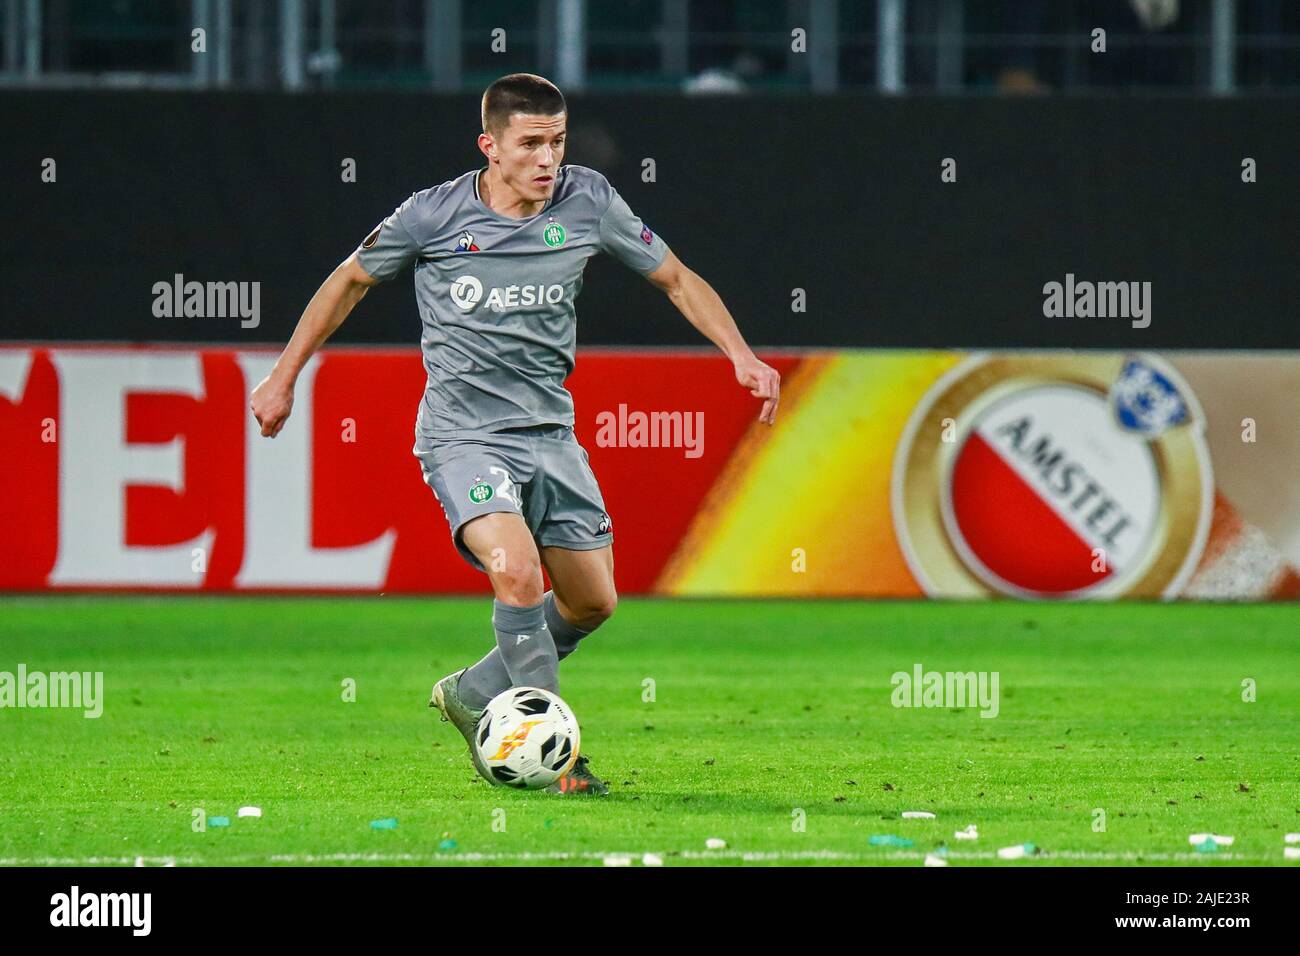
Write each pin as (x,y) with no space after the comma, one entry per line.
(970,833)
(652,859)
(917,815)
(1291,853)
(1292,838)
(250,811)
(1012,852)
(713,843)
(932,859)
(617,860)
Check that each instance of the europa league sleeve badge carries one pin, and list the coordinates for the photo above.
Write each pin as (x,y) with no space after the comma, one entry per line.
(1054,476)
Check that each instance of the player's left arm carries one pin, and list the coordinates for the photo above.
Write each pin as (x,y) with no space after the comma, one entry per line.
(704,309)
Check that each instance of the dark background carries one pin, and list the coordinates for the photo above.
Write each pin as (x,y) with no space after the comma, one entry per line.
(839,195)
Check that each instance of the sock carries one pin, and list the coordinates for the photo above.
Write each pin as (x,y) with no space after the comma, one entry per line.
(526,646)
(483,681)
(489,677)
(565,635)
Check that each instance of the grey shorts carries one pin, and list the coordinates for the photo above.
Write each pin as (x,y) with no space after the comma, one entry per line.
(540,473)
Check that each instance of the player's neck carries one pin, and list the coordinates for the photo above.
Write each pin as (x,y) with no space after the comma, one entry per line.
(499,197)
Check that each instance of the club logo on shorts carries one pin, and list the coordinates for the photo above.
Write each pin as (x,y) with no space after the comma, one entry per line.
(1054,476)
(465,292)
(480,492)
(553,234)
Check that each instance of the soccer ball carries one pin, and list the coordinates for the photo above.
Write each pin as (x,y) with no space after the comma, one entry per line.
(527,738)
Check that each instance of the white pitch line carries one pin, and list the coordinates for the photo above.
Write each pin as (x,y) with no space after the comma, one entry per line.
(743,856)
(98,860)
(747,856)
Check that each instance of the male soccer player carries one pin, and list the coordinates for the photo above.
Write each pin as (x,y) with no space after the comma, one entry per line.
(499,254)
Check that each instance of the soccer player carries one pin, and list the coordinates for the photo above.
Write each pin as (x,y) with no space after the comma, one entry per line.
(499,254)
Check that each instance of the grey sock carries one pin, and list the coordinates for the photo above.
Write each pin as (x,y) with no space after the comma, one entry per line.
(483,681)
(566,636)
(489,677)
(526,646)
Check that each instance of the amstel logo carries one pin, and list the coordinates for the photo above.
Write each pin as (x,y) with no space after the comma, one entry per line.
(1054,476)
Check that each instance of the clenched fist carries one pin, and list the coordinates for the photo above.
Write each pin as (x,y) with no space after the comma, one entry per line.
(271,402)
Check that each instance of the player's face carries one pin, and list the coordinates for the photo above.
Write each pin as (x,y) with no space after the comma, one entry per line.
(529,153)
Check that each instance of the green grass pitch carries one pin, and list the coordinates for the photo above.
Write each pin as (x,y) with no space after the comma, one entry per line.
(764,714)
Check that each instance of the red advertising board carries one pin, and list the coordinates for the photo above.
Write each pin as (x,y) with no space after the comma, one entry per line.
(142,468)
(1039,475)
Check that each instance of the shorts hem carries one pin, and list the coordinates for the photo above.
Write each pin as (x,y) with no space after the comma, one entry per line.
(459,541)
(588,544)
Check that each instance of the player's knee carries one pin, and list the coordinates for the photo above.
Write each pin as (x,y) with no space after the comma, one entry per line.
(597,611)
(519,582)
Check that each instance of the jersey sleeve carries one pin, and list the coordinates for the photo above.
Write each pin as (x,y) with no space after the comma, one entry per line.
(390,247)
(629,240)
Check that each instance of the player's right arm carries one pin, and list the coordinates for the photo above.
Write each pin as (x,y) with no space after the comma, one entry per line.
(272,400)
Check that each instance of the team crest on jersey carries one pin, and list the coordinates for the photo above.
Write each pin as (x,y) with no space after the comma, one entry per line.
(553,235)
(465,243)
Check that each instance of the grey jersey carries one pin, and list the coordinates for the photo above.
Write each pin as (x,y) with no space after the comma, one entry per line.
(496,295)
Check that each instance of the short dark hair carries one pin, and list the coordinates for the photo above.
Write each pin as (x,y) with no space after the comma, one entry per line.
(519,93)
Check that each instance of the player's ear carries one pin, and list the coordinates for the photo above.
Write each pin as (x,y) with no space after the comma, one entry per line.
(487,146)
